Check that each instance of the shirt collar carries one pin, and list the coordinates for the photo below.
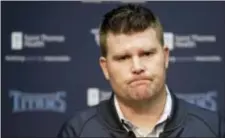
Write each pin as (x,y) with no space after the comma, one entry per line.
(166,112)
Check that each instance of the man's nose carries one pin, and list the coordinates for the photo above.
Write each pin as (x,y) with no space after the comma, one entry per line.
(137,66)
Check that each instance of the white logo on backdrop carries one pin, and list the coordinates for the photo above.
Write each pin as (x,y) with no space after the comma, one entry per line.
(20,40)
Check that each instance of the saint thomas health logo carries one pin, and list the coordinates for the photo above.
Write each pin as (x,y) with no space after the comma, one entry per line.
(16,40)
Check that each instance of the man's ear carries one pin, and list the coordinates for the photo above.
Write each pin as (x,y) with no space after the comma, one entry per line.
(166,55)
(103,65)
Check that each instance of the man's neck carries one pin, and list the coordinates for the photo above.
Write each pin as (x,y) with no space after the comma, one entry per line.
(144,115)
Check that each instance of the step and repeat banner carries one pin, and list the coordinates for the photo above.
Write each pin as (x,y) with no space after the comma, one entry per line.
(50,51)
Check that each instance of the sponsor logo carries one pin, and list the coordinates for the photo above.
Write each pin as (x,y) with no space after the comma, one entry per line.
(20,40)
(95,95)
(169,40)
(16,40)
(191,40)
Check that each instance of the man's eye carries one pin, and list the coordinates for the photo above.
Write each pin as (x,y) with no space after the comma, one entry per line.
(147,53)
(123,57)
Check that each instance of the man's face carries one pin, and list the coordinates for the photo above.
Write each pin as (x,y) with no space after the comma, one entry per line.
(135,64)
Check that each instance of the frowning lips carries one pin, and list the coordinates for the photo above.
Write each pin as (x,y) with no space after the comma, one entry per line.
(139,80)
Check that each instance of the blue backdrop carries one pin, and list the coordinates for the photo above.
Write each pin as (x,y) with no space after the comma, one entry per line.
(50,57)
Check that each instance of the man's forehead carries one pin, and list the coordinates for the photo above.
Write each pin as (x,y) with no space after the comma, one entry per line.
(117,42)
(149,34)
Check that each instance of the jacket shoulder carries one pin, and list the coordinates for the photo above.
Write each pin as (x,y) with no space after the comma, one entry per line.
(202,118)
(73,127)
(201,112)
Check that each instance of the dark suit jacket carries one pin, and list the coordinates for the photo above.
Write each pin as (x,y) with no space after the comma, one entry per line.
(187,120)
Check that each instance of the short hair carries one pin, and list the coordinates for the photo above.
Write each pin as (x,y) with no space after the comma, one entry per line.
(128,19)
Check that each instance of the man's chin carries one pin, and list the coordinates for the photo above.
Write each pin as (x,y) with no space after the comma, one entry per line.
(141,96)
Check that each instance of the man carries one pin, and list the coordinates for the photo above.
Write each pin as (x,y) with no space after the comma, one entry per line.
(134,60)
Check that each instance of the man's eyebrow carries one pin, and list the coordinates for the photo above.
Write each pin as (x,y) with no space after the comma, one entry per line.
(149,49)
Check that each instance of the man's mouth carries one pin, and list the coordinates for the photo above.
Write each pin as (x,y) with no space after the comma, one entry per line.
(139,81)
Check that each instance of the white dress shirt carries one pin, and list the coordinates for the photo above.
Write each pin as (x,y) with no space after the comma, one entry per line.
(141,132)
